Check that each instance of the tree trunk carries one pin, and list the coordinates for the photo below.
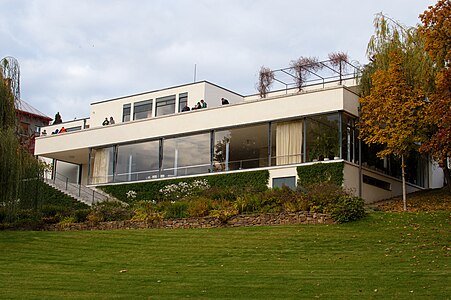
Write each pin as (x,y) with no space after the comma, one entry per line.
(403,168)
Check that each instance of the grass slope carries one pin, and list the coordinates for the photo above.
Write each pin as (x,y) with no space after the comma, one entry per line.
(386,255)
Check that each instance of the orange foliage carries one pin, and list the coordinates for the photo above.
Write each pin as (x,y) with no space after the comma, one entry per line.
(390,113)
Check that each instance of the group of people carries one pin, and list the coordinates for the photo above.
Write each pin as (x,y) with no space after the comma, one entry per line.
(203,104)
(62,130)
(108,122)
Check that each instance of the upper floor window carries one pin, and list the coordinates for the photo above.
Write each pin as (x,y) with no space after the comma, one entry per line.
(183,101)
(126,111)
(142,110)
(165,105)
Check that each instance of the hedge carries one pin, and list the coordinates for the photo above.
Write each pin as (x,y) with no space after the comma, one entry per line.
(255,181)
(320,172)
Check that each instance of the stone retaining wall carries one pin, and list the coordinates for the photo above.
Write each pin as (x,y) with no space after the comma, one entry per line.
(205,222)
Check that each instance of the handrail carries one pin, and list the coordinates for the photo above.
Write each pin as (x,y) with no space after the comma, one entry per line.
(62,182)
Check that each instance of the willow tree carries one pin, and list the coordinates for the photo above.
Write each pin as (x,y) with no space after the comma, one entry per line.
(17,167)
(393,88)
(436,31)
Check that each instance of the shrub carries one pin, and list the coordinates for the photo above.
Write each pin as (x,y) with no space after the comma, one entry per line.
(146,211)
(224,214)
(81,215)
(199,206)
(109,211)
(323,194)
(347,209)
(176,210)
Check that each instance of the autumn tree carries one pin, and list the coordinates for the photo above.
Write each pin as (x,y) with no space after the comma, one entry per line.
(436,31)
(389,114)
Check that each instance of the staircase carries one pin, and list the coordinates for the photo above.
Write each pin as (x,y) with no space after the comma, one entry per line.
(80,192)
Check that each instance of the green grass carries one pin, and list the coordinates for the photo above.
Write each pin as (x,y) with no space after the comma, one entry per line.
(386,255)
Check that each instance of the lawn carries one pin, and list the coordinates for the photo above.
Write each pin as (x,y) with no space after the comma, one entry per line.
(386,255)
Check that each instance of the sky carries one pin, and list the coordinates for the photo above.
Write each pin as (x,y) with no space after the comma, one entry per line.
(75,52)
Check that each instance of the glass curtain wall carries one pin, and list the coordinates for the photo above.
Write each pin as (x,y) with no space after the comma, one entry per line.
(286,142)
(101,165)
(137,161)
(186,155)
(322,137)
(241,148)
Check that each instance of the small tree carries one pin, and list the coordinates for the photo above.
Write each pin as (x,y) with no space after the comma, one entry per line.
(265,80)
(390,113)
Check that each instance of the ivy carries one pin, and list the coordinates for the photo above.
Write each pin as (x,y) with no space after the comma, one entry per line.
(256,181)
(320,172)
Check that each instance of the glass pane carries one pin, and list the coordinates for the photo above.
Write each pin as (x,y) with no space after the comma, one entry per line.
(186,155)
(348,138)
(126,113)
(183,101)
(286,141)
(165,105)
(322,137)
(241,148)
(101,165)
(137,161)
(142,110)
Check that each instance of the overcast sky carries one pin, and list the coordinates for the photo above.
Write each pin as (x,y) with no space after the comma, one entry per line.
(74,52)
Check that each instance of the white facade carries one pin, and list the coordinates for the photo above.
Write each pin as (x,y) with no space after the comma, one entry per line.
(257,123)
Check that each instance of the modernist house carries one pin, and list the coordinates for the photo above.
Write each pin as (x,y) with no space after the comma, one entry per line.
(153,138)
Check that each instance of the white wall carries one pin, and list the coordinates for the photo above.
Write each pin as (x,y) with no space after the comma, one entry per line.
(436,176)
(285,171)
(372,193)
(105,109)
(195,121)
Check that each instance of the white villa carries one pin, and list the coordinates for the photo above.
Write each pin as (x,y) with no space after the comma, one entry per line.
(153,139)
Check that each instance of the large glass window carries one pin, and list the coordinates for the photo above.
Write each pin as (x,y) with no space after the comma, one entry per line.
(322,137)
(138,161)
(186,155)
(241,148)
(126,111)
(165,105)
(286,142)
(101,165)
(142,110)
(349,138)
(183,101)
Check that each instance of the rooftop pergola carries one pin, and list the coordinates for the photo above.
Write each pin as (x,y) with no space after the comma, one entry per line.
(318,72)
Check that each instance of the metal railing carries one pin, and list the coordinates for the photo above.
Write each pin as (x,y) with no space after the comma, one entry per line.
(80,192)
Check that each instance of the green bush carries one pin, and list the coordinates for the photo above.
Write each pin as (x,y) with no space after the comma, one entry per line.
(320,172)
(109,211)
(199,206)
(146,211)
(347,209)
(176,210)
(323,195)
(228,184)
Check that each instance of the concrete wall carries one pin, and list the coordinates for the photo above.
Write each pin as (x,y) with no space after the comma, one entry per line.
(194,121)
(372,193)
